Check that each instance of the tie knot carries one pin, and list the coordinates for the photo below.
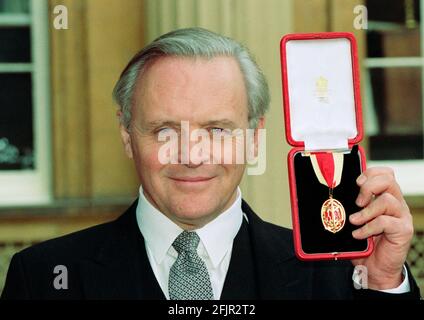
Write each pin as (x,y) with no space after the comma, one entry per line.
(186,242)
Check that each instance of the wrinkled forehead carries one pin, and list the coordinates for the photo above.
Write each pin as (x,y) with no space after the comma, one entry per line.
(183,88)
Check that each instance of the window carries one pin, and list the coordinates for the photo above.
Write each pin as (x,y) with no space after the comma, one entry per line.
(24,103)
(394,85)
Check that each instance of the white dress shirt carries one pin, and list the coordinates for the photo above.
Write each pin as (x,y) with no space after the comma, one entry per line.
(215,246)
(404,287)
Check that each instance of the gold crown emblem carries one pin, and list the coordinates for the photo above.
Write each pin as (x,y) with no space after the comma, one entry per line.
(321,87)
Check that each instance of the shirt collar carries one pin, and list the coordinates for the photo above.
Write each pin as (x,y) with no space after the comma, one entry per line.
(160,232)
(218,235)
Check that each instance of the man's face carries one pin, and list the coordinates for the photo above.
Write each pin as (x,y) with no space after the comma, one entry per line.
(209,94)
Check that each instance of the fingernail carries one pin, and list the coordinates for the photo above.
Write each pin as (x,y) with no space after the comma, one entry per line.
(360,200)
(355,233)
(361,180)
(354,217)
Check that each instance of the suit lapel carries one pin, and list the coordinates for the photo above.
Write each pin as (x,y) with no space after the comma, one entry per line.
(240,280)
(277,270)
(261,266)
(121,269)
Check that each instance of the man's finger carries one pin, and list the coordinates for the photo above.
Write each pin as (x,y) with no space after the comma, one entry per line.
(376,185)
(382,223)
(386,203)
(374,171)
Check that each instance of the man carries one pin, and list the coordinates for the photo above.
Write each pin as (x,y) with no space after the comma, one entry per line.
(190,235)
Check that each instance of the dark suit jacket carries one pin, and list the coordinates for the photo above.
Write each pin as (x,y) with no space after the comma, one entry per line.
(109,261)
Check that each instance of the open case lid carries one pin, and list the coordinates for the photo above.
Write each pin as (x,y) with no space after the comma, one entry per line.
(321,90)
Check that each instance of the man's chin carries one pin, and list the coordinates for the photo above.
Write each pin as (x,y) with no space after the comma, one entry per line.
(194,216)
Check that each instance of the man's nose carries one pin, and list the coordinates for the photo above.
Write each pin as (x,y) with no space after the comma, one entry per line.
(195,148)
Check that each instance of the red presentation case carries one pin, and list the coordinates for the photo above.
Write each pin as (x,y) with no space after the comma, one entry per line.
(322,110)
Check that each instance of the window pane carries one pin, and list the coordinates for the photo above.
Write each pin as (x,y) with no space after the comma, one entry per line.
(14,6)
(16,130)
(393,28)
(394,122)
(15,44)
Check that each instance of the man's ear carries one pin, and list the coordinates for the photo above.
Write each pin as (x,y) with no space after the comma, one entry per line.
(125,137)
(261,125)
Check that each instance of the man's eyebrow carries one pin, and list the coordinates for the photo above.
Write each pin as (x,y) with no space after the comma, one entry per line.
(225,123)
(162,123)
(220,123)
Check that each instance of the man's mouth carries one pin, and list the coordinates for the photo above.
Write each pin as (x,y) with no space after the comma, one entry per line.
(198,179)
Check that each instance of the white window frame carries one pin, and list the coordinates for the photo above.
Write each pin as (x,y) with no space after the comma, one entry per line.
(29,187)
(409,173)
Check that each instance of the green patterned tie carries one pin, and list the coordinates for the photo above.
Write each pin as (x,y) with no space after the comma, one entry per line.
(188,277)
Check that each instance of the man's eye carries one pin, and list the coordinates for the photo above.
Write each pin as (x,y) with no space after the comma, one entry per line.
(217,130)
(163,130)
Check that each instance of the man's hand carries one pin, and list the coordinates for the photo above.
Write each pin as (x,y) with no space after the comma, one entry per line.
(386,216)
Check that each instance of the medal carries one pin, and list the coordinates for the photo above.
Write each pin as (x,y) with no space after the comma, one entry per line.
(328,168)
(333,215)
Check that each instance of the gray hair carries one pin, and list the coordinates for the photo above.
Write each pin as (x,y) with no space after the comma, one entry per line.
(194,42)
